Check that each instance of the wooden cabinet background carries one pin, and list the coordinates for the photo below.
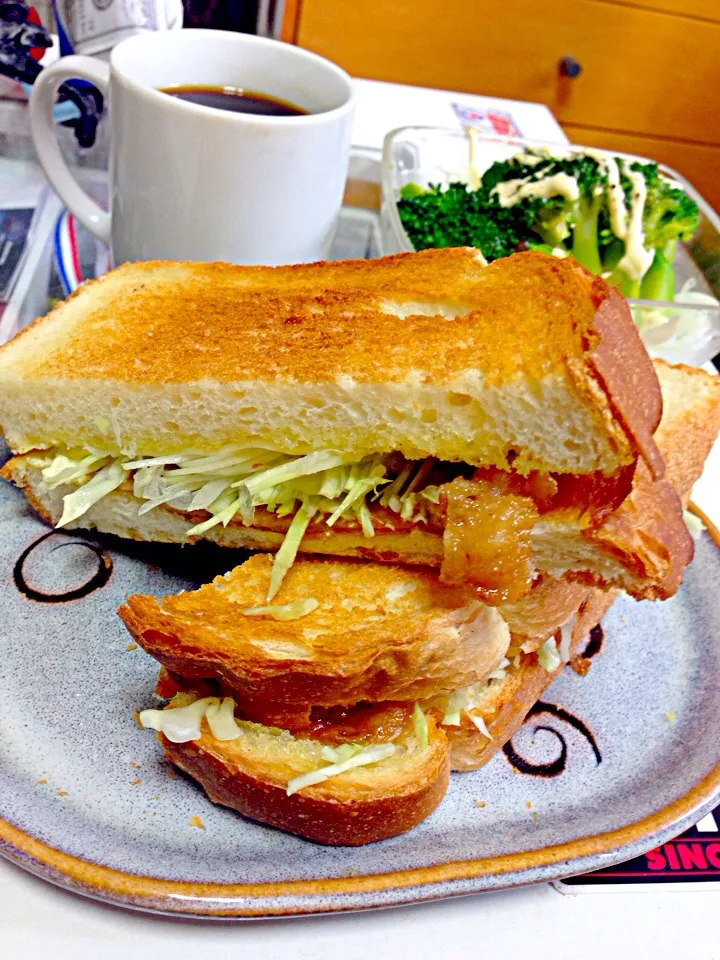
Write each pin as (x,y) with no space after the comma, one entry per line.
(649,83)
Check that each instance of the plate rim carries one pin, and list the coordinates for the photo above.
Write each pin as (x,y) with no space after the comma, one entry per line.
(219,900)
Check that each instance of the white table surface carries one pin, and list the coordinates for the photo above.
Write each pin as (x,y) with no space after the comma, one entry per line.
(41,922)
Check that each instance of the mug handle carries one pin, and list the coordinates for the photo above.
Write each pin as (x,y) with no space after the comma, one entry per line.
(42,101)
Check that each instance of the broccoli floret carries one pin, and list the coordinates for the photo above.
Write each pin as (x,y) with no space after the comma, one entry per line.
(567,226)
(510,169)
(454,216)
(585,212)
(669,215)
(553,222)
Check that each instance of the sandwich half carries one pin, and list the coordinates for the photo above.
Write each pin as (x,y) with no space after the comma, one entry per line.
(419,409)
(305,714)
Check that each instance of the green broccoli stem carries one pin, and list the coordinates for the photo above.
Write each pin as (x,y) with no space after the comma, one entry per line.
(544,247)
(612,255)
(659,281)
(585,234)
(628,287)
(625,284)
(411,190)
(669,250)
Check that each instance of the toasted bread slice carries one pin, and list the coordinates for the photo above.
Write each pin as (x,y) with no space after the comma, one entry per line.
(642,547)
(690,422)
(530,362)
(251,775)
(377,633)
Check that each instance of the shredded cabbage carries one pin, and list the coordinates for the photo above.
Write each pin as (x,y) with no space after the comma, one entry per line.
(284,611)
(341,753)
(285,557)
(223,516)
(421,725)
(75,504)
(312,463)
(325,485)
(431,493)
(566,631)
(359,489)
(179,724)
(466,699)
(154,462)
(499,672)
(548,655)
(366,520)
(70,470)
(481,725)
(369,755)
(457,702)
(208,494)
(221,719)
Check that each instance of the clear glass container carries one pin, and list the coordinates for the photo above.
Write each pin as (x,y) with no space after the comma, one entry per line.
(684,331)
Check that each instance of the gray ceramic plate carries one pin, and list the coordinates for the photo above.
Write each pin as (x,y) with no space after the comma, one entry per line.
(88,802)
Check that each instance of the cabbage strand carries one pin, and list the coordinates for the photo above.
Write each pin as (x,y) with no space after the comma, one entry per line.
(322,486)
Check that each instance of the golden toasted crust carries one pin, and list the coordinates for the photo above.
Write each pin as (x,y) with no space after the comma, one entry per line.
(529,317)
(379,633)
(306,322)
(646,530)
(632,385)
(381,802)
(648,537)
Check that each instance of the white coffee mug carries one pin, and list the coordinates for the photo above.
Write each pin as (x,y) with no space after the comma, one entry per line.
(191,182)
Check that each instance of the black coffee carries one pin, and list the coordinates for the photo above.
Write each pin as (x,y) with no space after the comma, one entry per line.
(235,99)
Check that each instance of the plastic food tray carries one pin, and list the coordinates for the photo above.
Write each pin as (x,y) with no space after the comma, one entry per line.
(679,331)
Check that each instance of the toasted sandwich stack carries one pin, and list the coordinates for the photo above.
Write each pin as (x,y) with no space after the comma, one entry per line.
(486,436)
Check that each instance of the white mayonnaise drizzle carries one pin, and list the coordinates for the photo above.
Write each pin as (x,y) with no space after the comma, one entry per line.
(531,159)
(615,193)
(566,631)
(616,199)
(626,225)
(510,192)
(636,261)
